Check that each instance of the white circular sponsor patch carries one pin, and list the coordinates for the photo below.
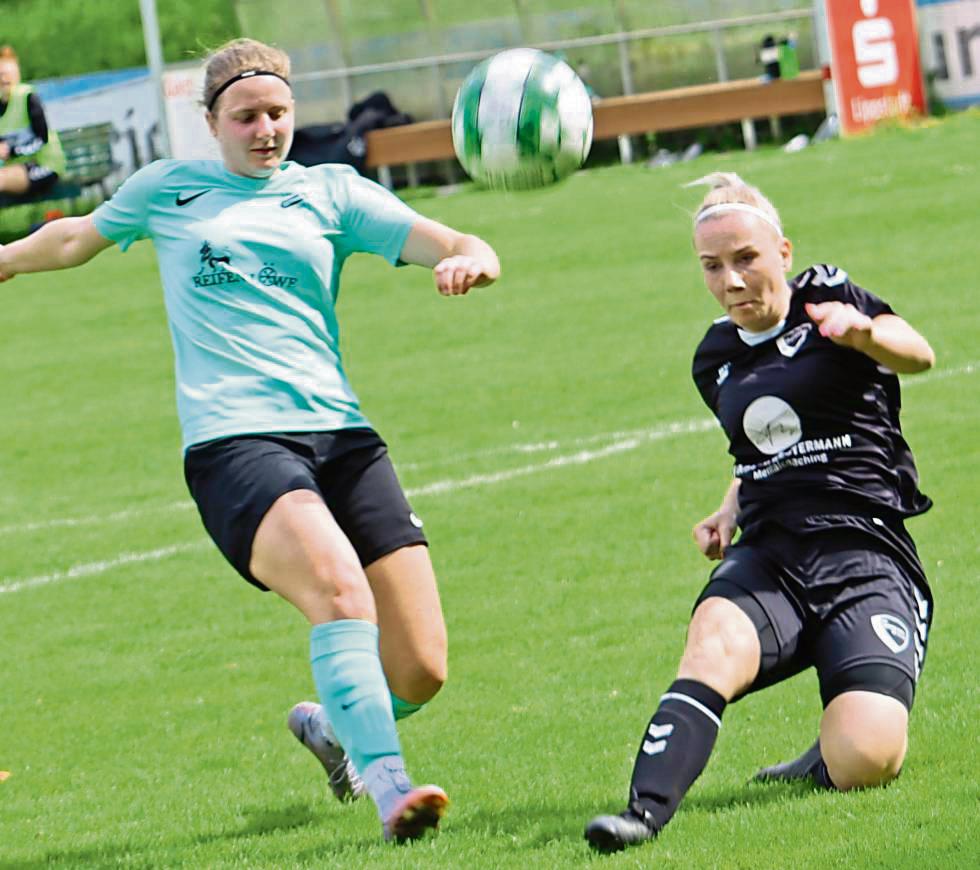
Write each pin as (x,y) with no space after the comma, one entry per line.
(414,520)
(771,425)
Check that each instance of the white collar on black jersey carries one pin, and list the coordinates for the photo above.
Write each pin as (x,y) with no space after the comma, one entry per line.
(754,338)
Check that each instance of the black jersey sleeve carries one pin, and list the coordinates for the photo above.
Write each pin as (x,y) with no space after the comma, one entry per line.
(711,360)
(825,283)
(39,122)
(29,141)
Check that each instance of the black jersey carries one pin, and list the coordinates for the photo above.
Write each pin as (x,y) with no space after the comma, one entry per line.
(813,426)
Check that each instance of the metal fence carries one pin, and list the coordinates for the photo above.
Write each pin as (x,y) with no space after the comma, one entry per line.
(420,70)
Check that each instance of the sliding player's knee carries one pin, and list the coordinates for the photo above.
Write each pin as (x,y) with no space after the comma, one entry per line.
(863,739)
(859,760)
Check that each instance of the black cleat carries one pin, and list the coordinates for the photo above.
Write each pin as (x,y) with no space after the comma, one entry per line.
(804,767)
(614,833)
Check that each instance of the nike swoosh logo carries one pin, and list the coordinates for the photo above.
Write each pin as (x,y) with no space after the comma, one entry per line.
(186,199)
(291,200)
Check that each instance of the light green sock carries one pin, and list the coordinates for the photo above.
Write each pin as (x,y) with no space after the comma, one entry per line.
(403,709)
(352,688)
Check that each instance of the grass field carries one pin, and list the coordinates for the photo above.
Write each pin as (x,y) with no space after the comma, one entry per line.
(552,440)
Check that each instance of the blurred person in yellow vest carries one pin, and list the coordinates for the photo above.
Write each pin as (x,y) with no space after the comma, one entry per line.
(31,158)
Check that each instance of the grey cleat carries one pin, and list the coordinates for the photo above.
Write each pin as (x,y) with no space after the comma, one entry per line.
(614,833)
(805,767)
(311,728)
(406,812)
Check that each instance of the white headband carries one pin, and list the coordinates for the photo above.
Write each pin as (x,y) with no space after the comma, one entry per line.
(738,206)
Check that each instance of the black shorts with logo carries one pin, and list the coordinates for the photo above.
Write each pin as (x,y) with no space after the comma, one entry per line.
(39,178)
(835,592)
(235,481)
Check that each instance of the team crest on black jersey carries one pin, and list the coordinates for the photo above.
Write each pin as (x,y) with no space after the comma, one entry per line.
(891,631)
(790,342)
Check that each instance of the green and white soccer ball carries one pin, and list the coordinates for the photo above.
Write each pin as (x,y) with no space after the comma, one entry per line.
(522,119)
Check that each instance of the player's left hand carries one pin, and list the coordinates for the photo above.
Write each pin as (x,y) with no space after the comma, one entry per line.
(842,323)
(457,274)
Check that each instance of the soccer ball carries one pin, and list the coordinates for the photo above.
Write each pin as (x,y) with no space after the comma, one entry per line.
(522,119)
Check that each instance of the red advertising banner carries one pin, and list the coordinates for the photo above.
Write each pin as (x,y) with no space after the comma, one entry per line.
(875,65)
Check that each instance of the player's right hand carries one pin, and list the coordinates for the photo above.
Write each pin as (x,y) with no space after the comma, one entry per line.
(455,275)
(714,534)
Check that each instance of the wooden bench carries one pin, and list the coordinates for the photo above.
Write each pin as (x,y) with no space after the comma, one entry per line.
(88,164)
(677,109)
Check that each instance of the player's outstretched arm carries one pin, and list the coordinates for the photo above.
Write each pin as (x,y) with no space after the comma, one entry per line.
(458,261)
(59,244)
(887,338)
(714,533)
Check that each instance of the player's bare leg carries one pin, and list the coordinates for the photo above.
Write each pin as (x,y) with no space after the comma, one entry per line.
(301,553)
(413,654)
(413,634)
(14,180)
(863,739)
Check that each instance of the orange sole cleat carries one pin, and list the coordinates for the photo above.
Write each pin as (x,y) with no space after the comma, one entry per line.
(417,812)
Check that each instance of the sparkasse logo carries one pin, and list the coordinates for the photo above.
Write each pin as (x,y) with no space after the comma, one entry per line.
(874,47)
(874,61)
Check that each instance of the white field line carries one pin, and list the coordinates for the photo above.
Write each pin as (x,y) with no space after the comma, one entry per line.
(551,445)
(442,486)
(621,442)
(970,368)
(86,569)
(582,457)
(95,519)
(543,446)
(643,435)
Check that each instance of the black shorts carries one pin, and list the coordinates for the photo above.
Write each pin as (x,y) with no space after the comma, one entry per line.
(39,178)
(836,593)
(235,481)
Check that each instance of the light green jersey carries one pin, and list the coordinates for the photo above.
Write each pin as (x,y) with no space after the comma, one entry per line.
(251,271)
(16,122)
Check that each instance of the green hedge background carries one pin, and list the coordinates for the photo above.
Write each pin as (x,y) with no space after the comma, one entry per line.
(67,37)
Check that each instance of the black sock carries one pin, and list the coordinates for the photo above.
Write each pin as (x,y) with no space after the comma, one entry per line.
(821,776)
(808,766)
(675,748)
